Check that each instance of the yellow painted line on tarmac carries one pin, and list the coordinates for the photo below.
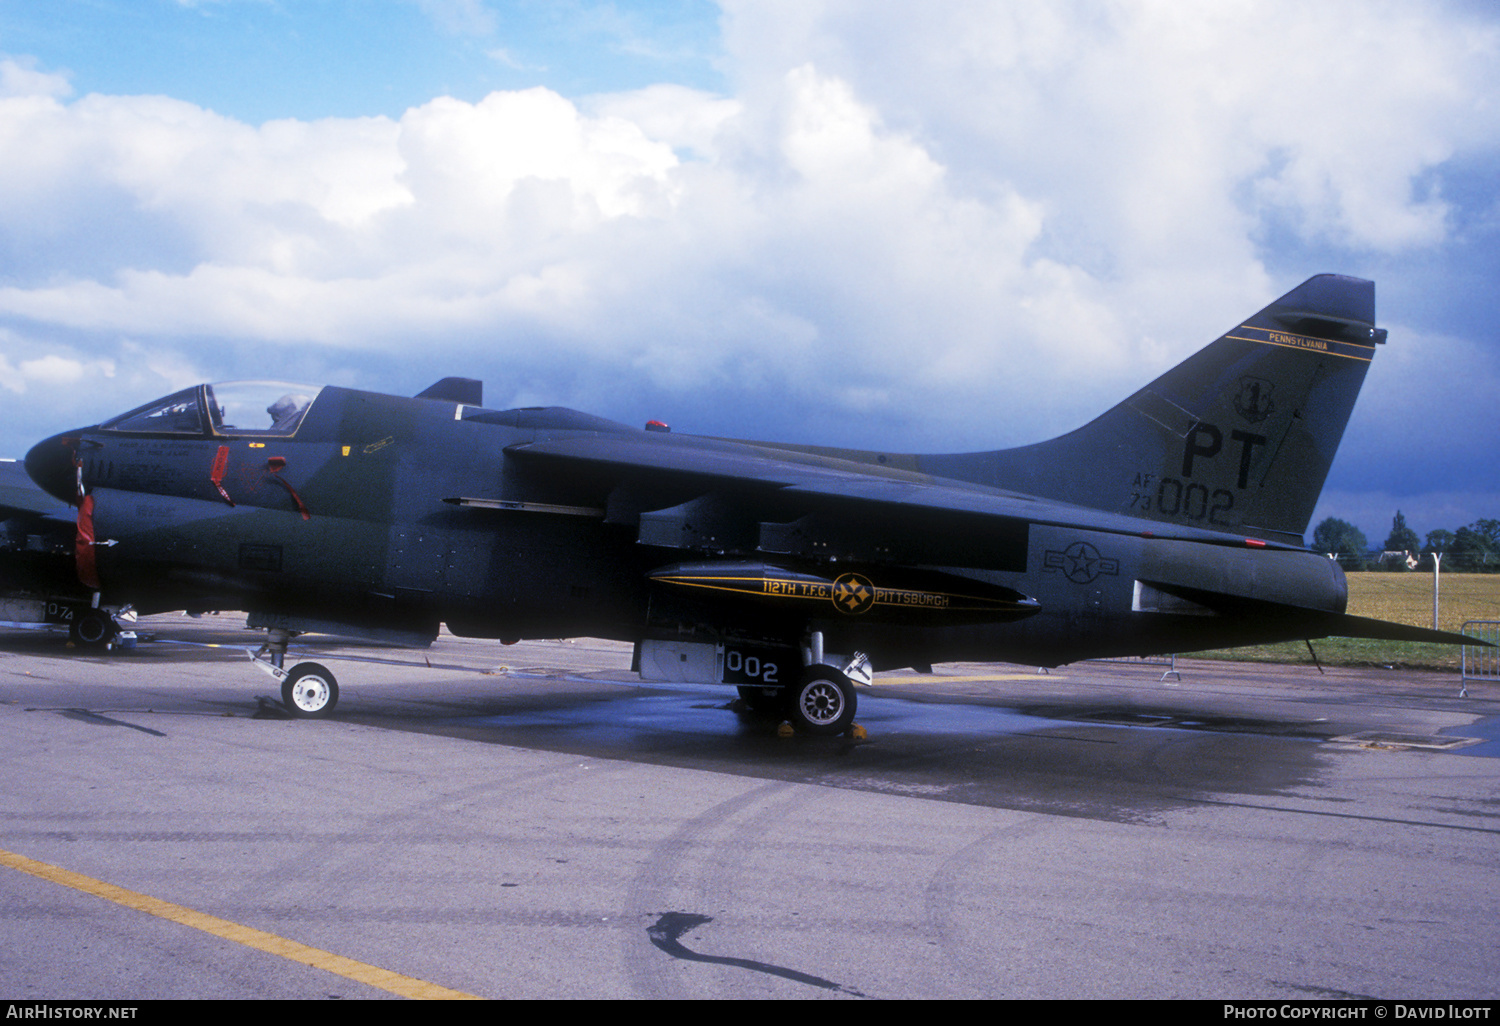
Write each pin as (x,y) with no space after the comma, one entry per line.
(374,976)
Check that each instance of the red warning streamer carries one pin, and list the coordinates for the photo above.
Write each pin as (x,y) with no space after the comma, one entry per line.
(274,466)
(216,475)
(83,544)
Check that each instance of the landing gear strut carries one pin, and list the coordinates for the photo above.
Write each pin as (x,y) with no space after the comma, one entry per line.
(308,690)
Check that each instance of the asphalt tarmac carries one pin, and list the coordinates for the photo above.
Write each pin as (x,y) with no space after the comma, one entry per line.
(535,822)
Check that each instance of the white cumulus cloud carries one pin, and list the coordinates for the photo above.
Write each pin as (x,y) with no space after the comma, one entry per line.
(962,223)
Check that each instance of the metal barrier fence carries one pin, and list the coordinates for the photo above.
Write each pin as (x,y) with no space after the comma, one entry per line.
(1480,664)
(1169,661)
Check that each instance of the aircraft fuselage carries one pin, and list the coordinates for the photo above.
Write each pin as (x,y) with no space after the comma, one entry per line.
(388,516)
(1172,522)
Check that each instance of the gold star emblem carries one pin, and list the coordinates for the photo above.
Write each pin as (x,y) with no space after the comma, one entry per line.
(853,594)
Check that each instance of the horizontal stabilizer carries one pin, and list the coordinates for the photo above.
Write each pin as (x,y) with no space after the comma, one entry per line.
(1296,621)
(1343,625)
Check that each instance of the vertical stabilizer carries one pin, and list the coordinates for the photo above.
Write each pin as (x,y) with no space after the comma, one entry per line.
(1238,437)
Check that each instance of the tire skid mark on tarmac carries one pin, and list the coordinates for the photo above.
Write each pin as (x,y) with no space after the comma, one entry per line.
(667,877)
(983,966)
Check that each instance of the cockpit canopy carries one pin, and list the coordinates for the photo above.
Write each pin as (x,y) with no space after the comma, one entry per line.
(233,408)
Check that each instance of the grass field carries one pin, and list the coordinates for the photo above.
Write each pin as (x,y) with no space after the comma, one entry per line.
(1402,598)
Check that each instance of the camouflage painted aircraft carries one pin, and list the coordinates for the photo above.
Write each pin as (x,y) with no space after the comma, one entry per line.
(1173,522)
(38,582)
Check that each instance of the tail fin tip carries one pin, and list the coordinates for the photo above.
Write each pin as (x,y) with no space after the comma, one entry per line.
(1329,303)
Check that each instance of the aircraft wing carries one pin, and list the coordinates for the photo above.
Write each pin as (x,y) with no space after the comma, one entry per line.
(818,483)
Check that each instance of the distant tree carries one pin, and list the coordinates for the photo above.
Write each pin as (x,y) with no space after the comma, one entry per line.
(1490,529)
(1438,541)
(1474,552)
(1401,539)
(1343,541)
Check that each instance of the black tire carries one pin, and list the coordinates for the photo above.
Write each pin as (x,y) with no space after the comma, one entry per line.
(309,692)
(765,701)
(823,703)
(93,629)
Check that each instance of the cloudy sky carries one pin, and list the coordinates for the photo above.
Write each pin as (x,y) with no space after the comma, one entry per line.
(952,225)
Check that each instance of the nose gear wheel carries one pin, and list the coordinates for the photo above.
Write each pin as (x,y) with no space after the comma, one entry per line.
(309,691)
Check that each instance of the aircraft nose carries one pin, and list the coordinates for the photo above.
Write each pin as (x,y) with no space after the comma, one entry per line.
(50,464)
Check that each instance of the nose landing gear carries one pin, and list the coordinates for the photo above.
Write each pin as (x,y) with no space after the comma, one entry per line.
(93,628)
(308,690)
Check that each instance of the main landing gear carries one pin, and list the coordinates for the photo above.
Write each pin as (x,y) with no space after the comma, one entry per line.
(308,690)
(822,702)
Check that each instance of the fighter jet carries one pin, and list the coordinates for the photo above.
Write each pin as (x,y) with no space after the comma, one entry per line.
(38,584)
(1172,523)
